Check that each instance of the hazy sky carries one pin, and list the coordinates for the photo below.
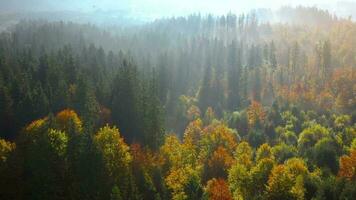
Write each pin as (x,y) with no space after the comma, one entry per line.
(159,8)
(223,5)
(182,7)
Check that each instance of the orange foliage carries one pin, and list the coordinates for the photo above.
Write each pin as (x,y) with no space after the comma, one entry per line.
(220,160)
(298,93)
(217,189)
(243,154)
(144,158)
(35,125)
(344,88)
(338,92)
(326,100)
(348,166)
(68,118)
(193,132)
(219,134)
(255,112)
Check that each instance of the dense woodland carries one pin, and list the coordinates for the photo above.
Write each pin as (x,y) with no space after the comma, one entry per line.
(196,107)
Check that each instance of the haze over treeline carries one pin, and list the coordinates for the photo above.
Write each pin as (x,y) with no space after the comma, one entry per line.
(153,9)
(177,100)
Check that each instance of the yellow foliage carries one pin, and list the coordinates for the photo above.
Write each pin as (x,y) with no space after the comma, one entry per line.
(5,148)
(68,118)
(280,183)
(264,151)
(35,125)
(287,181)
(217,189)
(348,166)
(255,112)
(114,150)
(239,180)
(220,162)
(217,135)
(193,132)
(243,154)
(178,154)
(178,178)
(296,167)
(193,113)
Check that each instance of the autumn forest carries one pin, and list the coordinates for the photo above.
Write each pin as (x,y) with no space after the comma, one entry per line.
(211,107)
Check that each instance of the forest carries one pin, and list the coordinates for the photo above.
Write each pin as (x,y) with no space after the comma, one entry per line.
(211,107)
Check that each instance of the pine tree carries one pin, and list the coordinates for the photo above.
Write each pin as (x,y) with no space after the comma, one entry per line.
(205,95)
(125,101)
(294,63)
(326,61)
(272,56)
(234,73)
(153,130)
(163,78)
(86,104)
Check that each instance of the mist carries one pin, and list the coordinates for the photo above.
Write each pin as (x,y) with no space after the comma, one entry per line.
(148,10)
(177,99)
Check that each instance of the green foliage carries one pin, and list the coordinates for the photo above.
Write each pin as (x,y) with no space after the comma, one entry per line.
(287,100)
(283,152)
(239,180)
(256,137)
(115,194)
(310,136)
(264,152)
(326,154)
(115,152)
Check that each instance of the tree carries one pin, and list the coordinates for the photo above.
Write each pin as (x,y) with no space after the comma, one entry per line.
(125,101)
(44,150)
(216,135)
(287,181)
(256,114)
(164,78)
(280,184)
(6,112)
(193,133)
(205,92)
(326,154)
(152,118)
(234,73)
(181,180)
(264,152)
(116,158)
(9,172)
(272,55)
(256,137)
(115,194)
(283,152)
(217,189)
(347,166)
(85,102)
(259,176)
(326,64)
(310,136)
(68,121)
(243,154)
(219,163)
(239,181)
(5,149)
(294,61)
